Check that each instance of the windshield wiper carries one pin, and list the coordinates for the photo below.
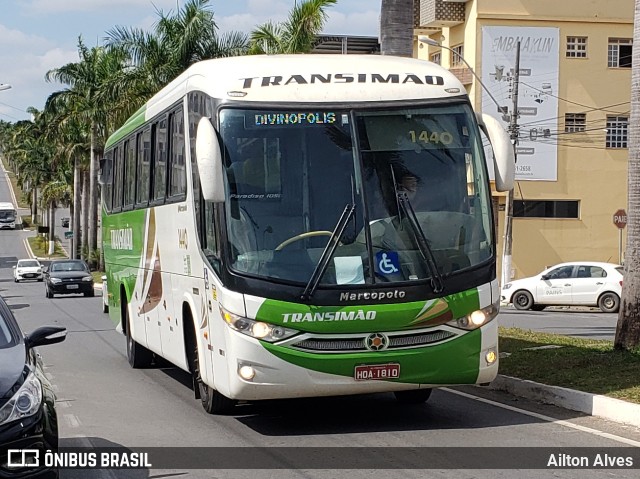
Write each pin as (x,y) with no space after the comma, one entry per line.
(328,251)
(422,241)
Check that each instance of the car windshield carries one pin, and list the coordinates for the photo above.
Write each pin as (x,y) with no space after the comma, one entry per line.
(30,263)
(69,266)
(290,176)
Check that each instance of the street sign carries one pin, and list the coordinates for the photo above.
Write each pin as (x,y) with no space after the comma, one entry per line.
(620,218)
(68,234)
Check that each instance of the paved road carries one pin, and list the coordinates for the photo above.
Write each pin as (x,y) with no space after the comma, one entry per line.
(586,323)
(102,401)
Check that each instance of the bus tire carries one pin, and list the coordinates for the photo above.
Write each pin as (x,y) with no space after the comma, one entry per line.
(138,356)
(413,396)
(212,401)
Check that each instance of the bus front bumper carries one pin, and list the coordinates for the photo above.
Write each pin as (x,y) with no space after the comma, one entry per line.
(259,370)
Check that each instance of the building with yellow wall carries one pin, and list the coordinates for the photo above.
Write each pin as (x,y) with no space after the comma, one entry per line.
(574,103)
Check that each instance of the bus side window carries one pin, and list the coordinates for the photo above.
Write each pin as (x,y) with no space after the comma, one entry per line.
(129,173)
(160,161)
(118,177)
(177,168)
(107,190)
(144,167)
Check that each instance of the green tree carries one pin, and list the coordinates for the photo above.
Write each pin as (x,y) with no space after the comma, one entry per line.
(628,329)
(296,34)
(90,99)
(177,41)
(396,27)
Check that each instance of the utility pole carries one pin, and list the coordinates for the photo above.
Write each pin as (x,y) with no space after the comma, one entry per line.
(508,208)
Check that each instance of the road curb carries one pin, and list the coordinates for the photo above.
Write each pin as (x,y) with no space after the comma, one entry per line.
(587,403)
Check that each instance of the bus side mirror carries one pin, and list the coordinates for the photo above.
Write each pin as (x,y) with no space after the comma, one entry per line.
(503,156)
(104,175)
(209,159)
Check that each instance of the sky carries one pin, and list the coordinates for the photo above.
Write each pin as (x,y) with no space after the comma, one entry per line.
(39,35)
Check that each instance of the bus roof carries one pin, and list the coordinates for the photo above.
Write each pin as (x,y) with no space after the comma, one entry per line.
(6,206)
(304,78)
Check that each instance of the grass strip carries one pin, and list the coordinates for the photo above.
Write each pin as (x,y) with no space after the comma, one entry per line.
(40,248)
(586,365)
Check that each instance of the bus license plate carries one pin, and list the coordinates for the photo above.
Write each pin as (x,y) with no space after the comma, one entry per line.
(370,372)
(72,286)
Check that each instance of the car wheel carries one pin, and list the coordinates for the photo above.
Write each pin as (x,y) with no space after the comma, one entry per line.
(40,280)
(609,303)
(522,300)
(138,356)
(15,280)
(48,293)
(89,294)
(413,396)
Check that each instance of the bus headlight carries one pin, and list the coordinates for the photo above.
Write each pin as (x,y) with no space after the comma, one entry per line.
(477,318)
(256,329)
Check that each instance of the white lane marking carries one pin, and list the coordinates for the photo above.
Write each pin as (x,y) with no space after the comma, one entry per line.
(72,420)
(28,248)
(588,430)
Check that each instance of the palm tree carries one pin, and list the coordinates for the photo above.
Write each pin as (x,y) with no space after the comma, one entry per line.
(296,34)
(628,330)
(176,42)
(396,27)
(89,99)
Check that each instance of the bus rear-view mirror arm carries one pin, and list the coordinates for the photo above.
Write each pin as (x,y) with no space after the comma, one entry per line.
(503,154)
(209,159)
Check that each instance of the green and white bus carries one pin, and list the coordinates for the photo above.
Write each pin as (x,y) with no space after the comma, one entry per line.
(306,225)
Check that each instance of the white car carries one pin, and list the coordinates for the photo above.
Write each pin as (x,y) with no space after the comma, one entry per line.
(27,269)
(581,283)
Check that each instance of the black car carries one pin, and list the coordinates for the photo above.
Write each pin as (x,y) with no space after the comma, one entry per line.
(68,276)
(27,402)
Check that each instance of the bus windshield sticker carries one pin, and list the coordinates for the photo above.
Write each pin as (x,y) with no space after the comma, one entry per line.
(387,263)
(349,270)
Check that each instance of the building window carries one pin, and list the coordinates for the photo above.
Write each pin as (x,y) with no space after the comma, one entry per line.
(437,58)
(456,56)
(619,53)
(576,47)
(567,209)
(575,122)
(617,132)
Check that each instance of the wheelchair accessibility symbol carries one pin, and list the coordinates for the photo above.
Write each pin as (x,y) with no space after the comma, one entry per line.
(387,262)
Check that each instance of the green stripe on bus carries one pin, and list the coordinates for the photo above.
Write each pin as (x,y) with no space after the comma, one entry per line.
(370,317)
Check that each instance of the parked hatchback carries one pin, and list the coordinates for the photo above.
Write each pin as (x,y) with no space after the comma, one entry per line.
(68,276)
(581,283)
(27,401)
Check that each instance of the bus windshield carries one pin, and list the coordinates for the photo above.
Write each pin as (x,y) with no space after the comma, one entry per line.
(416,178)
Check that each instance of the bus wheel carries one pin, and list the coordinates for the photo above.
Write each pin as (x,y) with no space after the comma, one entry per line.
(413,396)
(138,356)
(212,401)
